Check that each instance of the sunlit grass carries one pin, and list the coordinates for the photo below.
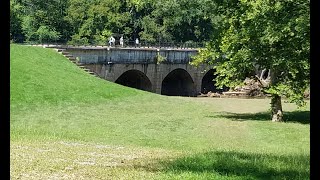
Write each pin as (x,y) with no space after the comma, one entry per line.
(41,76)
(66,124)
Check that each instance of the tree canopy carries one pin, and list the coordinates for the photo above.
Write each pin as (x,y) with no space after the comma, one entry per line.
(272,36)
(93,21)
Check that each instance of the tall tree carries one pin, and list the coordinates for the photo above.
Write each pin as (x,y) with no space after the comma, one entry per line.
(184,20)
(139,24)
(95,20)
(46,17)
(188,21)
(263,35)
(16,21)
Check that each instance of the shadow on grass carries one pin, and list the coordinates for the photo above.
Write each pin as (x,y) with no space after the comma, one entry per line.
(302,117)
(242,165)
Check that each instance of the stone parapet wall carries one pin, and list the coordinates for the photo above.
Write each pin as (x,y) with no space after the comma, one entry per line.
(133,55)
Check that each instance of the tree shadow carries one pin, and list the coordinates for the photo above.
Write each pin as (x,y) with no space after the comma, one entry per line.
(244,165)
(302,117)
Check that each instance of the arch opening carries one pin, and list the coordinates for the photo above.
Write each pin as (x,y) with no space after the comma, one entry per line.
(178,83)
(208,83)
(135,79)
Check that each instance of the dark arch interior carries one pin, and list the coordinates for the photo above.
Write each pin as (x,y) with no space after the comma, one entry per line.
(208,83)
(178,83)
(265,74)
(135,79)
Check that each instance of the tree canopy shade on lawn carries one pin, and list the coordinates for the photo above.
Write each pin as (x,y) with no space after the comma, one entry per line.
(262,35)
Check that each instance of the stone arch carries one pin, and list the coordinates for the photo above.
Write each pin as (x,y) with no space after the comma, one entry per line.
(135,79)
(178,83)
(208,83)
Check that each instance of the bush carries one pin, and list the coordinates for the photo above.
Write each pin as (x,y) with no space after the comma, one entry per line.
(45,34)
(160,59)
(102,38)
(78,40)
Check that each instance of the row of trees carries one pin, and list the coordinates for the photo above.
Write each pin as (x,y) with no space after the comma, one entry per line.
(93,21)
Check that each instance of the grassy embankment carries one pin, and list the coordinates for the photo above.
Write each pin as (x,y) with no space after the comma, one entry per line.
(67,124)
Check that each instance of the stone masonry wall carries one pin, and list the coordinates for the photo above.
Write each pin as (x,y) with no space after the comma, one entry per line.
(111,63)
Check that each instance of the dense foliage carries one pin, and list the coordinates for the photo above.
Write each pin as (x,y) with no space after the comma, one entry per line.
(94,21)
(272,36)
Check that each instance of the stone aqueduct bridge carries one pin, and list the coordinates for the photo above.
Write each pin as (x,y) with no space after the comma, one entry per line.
(138,68)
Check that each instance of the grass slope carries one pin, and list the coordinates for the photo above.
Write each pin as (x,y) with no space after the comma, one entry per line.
(67,124)
(41,76)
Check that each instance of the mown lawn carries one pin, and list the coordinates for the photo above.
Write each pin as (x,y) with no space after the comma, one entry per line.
(66,124)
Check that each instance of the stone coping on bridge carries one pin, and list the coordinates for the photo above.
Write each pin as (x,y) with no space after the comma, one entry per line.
(124,48)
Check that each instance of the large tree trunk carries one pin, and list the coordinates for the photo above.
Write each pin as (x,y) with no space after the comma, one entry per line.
(272,79)
(276,108)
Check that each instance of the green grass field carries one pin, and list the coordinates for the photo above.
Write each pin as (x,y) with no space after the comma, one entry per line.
(67,124)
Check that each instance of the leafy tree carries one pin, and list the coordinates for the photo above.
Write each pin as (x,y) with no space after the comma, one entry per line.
(92,21)
(96,20)
(28,27)
(140,24)
(45,34)
(37,13)
(15,21)
(185,20)
(152,31)
(266,36)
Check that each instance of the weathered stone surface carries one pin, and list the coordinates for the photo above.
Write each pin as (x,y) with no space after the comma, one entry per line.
(91,55)
(112,63)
